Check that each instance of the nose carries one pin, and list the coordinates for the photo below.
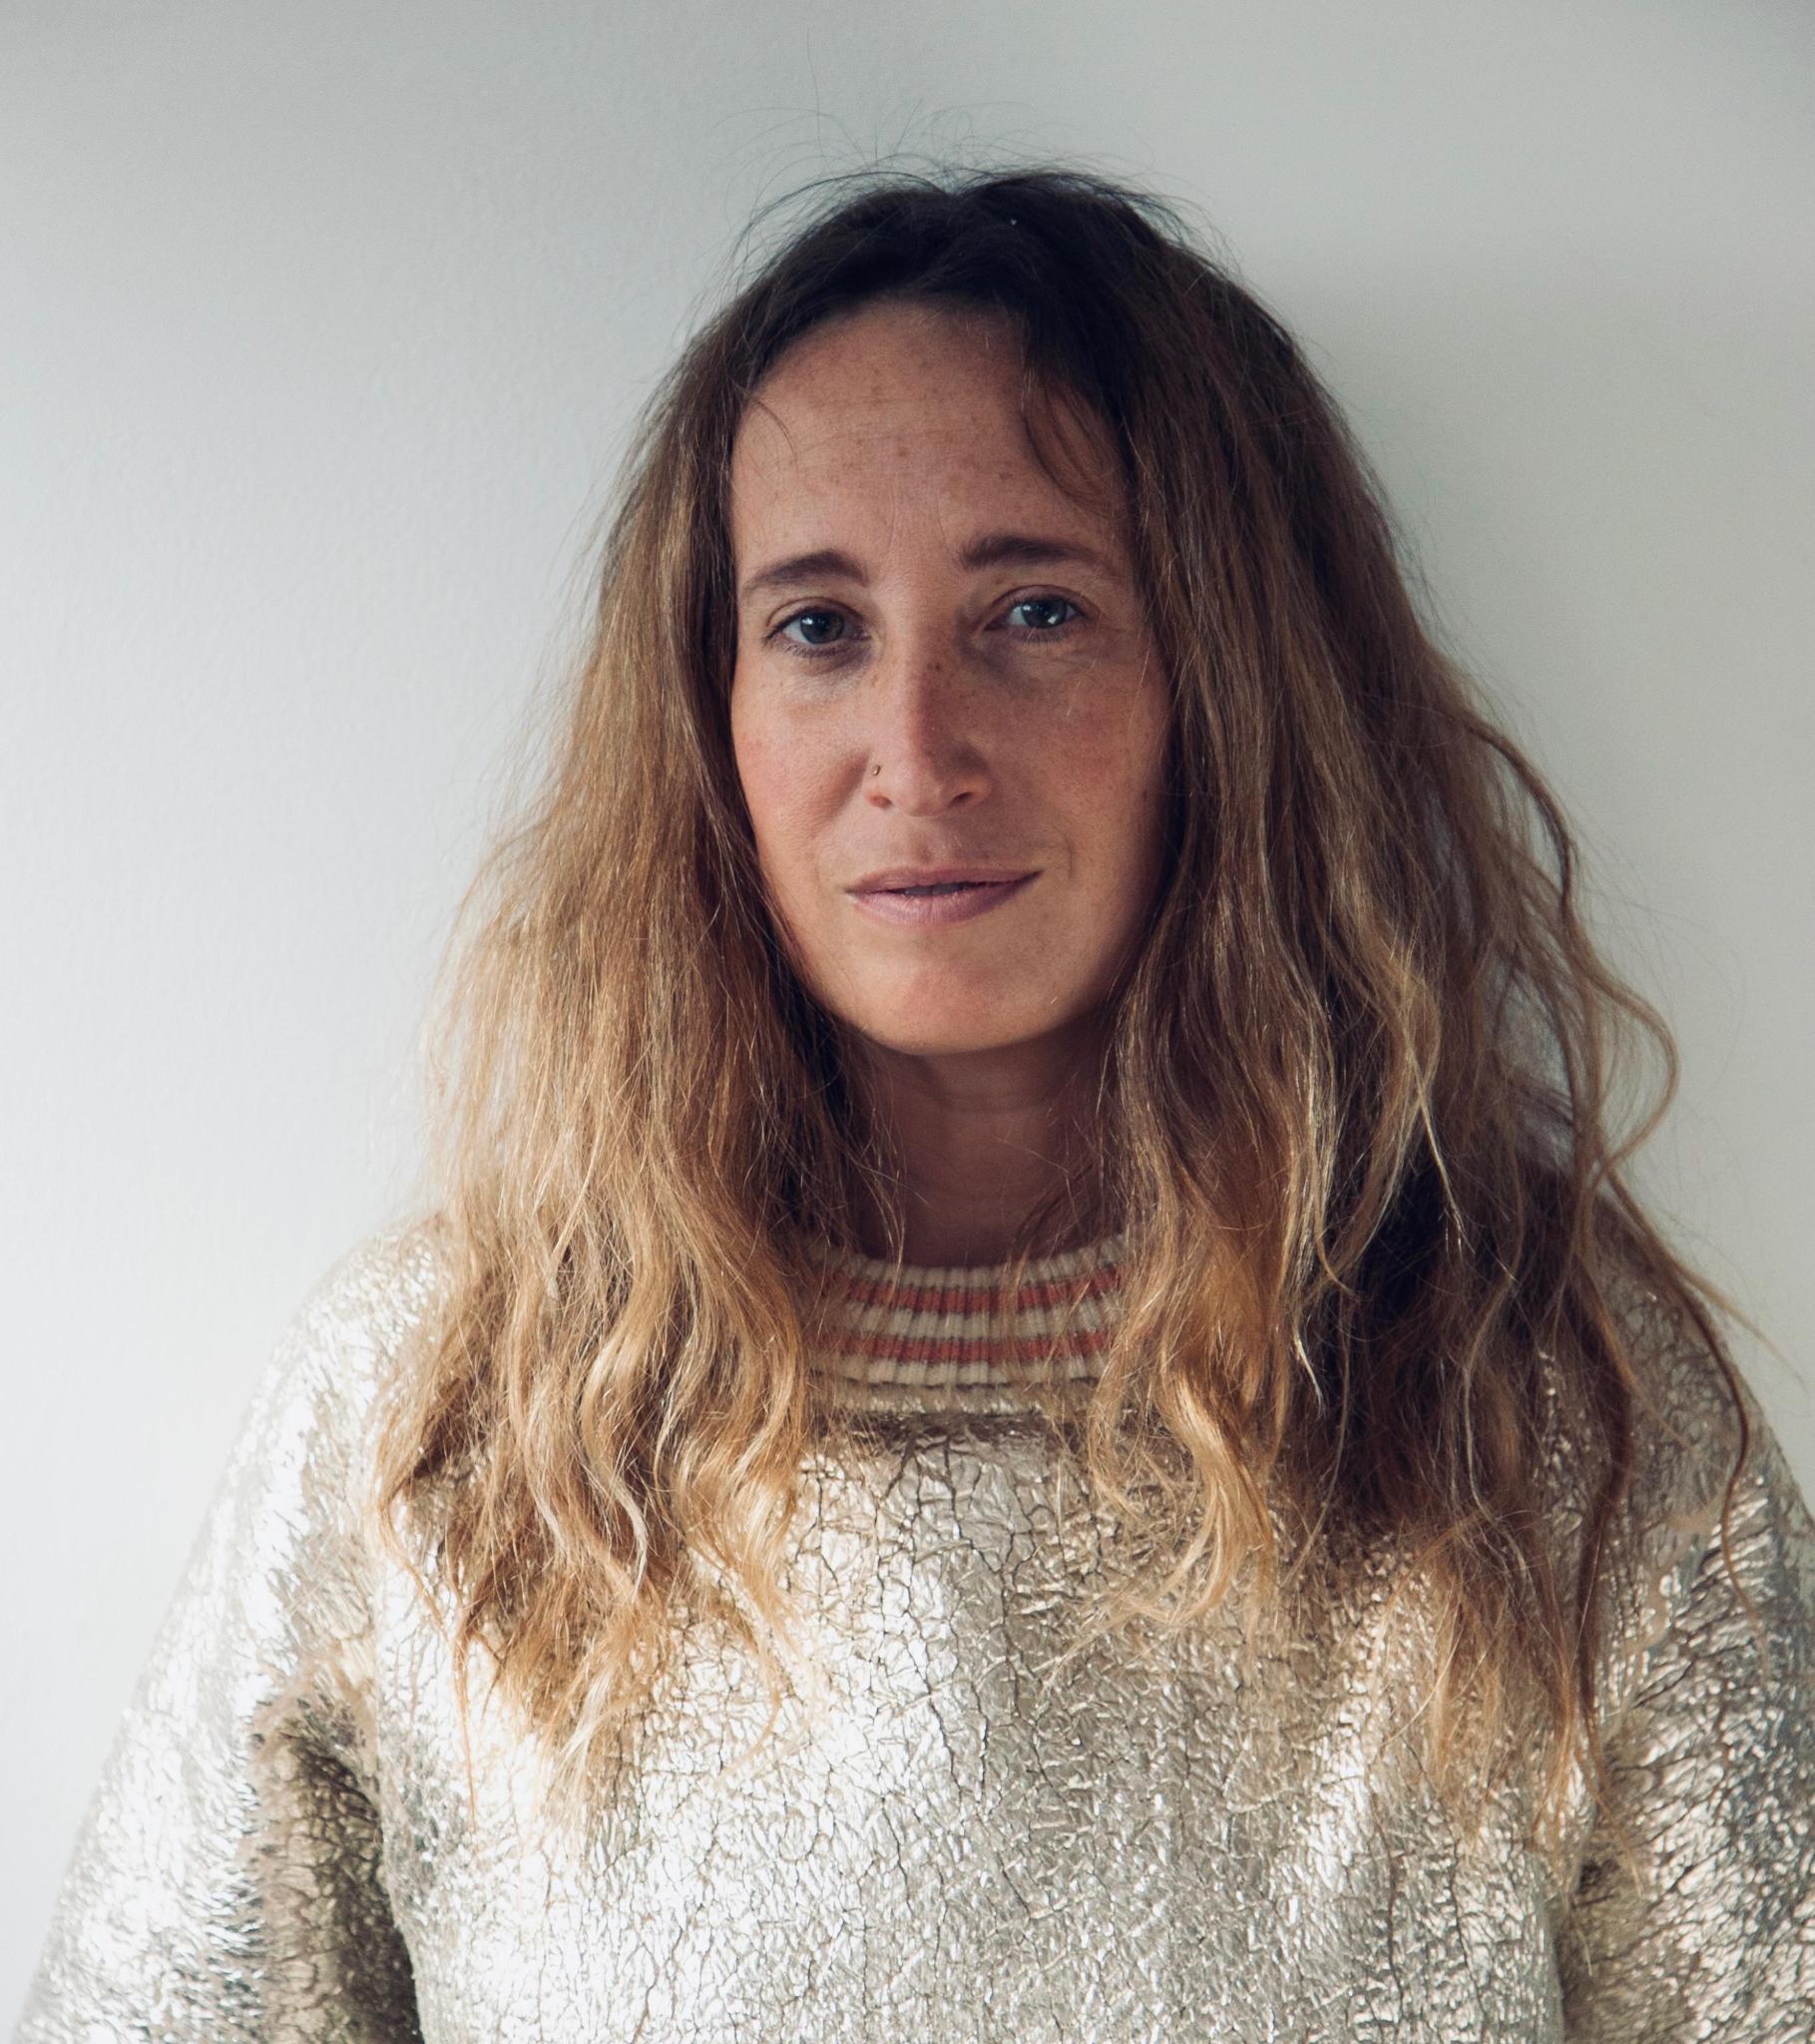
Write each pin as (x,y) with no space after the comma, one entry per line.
(924,745)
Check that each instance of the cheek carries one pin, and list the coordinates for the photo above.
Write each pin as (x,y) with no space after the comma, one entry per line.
(761,764)
(1119,809)
(777,783)
(1108,777)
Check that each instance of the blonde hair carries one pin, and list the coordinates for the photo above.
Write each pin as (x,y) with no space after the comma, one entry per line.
(1352,1119)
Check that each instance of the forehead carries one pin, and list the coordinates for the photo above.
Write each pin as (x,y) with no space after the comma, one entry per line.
(907,396)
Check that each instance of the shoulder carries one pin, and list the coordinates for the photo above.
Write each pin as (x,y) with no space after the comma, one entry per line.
(1688,1906)
(356,1321)
(1687,1423)
(318,1397)
(1709,1484)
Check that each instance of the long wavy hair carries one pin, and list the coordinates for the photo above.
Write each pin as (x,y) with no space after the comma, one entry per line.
(1354,1121)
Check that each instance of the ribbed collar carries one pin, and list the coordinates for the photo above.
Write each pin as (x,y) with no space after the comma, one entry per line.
(914,1336)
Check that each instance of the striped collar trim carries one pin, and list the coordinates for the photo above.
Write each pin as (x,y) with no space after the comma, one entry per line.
(917,1335)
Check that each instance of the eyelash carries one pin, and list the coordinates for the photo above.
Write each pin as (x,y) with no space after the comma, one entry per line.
(836,646)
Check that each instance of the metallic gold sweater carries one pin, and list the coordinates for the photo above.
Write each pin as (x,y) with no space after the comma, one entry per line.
(282,1843)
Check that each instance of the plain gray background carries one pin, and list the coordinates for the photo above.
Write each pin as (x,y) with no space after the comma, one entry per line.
(322,327)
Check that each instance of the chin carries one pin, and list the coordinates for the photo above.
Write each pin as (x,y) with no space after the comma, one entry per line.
(915,1029)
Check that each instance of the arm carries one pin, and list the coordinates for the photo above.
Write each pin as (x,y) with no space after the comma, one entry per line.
(227,1879)
(1712,1938)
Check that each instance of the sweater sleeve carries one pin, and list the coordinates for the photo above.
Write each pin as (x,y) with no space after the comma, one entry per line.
(227,1879)
(1711,1936)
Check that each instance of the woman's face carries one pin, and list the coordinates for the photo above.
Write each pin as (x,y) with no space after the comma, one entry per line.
(942,661)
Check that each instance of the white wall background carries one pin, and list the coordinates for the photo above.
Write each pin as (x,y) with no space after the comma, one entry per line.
(321,328)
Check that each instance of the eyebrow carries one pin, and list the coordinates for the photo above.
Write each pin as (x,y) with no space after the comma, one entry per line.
(990,550)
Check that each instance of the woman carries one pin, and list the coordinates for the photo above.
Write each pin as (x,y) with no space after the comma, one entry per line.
(1033,1403)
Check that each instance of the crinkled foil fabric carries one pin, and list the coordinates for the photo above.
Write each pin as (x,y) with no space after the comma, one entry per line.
(959,1837)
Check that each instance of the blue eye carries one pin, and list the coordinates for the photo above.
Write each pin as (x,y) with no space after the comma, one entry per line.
(803,617)
(821,615)
(1047,603)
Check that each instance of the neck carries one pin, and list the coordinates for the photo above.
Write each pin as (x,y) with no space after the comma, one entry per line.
(983,1141)
(952,1237)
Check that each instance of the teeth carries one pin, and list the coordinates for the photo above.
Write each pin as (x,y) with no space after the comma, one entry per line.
(944,887)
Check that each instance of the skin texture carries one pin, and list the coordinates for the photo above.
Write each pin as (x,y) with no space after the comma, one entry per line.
(1012,715)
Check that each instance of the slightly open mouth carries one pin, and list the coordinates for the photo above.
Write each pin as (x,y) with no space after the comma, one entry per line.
(937,902)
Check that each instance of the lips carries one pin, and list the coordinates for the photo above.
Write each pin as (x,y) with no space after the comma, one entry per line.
(892,879)
(909,903)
